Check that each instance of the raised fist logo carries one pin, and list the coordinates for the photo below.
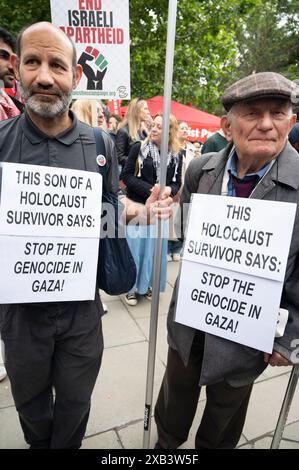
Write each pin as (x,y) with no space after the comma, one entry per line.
(94,78)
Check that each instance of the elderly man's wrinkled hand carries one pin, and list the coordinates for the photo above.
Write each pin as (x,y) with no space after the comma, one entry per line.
(276,359)
(159,208)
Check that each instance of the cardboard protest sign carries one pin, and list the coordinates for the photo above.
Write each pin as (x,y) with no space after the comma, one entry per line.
(100,32)
(50,221)
(233,268)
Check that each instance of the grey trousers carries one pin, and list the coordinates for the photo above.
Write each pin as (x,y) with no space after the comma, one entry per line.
(224,414)
(53,347)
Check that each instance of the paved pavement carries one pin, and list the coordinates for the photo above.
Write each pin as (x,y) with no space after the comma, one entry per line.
(116,418)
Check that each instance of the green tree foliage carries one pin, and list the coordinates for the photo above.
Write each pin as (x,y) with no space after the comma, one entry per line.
(217,42)
(14,15)
(205,47)
(269,40)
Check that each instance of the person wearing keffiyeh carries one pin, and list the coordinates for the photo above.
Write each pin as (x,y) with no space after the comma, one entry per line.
(8,108)
(140,174)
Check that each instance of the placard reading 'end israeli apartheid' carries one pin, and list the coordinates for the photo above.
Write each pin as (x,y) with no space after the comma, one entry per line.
(50,220)
(100,31)
(233,267)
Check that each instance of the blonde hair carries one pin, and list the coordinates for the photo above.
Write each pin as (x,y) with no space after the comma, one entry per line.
(132,118)
(173,143)
(82,109)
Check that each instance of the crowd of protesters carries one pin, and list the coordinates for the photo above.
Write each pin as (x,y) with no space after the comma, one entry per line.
(35,109)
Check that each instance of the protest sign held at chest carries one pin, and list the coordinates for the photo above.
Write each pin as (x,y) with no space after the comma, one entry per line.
(50,221)
(233,268)
(247,235)
(56,201)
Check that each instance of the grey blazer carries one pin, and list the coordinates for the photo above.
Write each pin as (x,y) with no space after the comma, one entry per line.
(224,359)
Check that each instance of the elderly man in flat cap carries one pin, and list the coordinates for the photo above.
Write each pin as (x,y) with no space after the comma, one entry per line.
(259,163)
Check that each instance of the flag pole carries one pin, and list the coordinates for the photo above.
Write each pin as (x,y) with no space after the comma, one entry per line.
(285,408)
(171,26)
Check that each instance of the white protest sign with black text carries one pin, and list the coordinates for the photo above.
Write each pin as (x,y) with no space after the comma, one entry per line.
(246,235)
(50,221)
(233,267)
(40,269)
(54,201)
(100,32)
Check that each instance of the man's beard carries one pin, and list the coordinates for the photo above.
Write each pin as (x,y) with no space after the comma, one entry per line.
(46,109)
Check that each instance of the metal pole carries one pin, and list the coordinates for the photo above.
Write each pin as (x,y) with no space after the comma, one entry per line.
(172,9)
(285,408)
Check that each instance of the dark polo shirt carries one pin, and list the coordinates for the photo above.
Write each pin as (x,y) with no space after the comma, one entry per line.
(22,142)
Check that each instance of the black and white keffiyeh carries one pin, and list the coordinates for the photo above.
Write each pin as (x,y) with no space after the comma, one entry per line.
(149,149)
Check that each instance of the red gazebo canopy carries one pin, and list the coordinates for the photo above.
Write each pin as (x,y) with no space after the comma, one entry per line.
(201,124)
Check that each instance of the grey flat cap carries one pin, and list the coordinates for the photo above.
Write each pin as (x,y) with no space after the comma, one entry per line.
(260,85)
